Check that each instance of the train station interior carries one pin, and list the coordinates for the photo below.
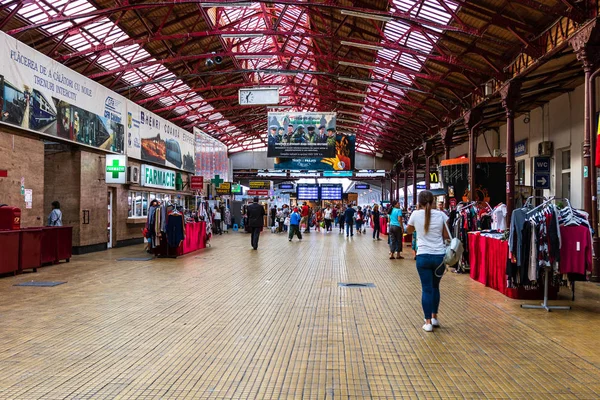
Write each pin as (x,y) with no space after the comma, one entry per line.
(274,199)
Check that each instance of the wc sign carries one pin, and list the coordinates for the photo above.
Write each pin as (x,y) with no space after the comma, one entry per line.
(116,168)
(541,173)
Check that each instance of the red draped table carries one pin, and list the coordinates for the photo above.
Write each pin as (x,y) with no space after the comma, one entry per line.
(383,222)
(195,238)
(487,261)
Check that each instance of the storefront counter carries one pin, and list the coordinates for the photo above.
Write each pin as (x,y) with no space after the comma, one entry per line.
(195,238)
(9,248)
(487,260)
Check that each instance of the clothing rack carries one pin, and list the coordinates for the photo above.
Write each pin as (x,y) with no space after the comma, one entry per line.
(547,270)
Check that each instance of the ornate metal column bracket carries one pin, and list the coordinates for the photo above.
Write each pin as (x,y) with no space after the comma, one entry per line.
(447,135)
(473,120)
(510,94)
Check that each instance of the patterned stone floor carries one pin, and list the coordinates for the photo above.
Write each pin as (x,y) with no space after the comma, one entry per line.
(232,323)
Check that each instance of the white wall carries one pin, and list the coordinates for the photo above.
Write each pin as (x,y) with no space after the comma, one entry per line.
(560,121)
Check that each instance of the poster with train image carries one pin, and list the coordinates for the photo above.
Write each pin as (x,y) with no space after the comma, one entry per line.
(40,94)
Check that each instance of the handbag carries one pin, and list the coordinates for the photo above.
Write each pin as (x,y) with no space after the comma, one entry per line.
(454,250)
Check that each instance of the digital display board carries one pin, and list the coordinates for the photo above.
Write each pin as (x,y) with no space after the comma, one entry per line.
(286,186)
(362,186)
(307,192)
(331,191)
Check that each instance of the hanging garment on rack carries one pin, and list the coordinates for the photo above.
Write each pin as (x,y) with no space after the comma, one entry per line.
(515,240)
(175,229)
(499,217)
(576,251)
(485,222)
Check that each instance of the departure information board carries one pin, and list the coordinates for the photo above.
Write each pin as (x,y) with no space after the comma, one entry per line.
(331,191)
(307,192)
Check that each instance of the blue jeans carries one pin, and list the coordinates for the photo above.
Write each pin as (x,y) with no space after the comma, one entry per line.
(427,266)
(349,228)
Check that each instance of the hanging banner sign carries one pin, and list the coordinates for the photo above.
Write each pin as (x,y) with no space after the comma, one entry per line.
(116,169)
(521,148)
(197,182)
(158,177)
(224,188)
(154,139)
(41,95)
(362,186)
(301,134)
(265,185)
(255,192)
(236,188)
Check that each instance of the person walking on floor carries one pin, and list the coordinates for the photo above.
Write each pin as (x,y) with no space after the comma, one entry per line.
(349,220)
(342,219)
(55,216)
(430,224)
(305,212)
(360,216)
(328,218)
(395,231)
(256,215)
(295,219)
(376,225)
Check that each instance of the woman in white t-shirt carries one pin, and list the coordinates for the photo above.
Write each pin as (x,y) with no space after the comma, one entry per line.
(429,224)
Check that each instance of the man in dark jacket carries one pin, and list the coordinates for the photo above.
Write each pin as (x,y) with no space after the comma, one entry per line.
(256,214)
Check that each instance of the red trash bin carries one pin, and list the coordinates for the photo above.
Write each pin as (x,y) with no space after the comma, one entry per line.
(30,249)
(64,245)
(49,245)
(9,251)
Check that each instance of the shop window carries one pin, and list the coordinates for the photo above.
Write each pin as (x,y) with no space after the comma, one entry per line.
(130,204)
(566,174)
(138,204)
(145,204)
(520,176)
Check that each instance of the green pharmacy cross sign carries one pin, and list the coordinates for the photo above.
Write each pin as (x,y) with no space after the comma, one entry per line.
(217,181)
(115,169)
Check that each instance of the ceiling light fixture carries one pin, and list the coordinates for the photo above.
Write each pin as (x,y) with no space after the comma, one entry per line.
(348,103)
(354,80)
(374,17)
(350,113)
(253,57)
(241,35)
(227,4)
(357,94)
(361,45)
(356,65)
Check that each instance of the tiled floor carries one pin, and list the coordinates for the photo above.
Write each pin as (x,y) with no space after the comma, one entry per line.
(229,322)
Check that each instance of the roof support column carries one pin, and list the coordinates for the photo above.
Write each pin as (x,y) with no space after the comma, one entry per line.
(510,94)
(405,164)
(473,120)
(428,151)
(392,186)
(447,139)
(415,161)
(398,182)
(584,45)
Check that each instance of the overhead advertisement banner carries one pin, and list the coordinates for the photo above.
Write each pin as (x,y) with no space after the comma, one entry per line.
(309,141)
(211,157)
(301,134)
(40,94)
(154,139)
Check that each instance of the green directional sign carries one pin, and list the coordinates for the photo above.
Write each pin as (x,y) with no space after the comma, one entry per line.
(116,169)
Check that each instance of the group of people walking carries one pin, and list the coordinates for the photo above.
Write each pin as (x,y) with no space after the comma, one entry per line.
(426,223)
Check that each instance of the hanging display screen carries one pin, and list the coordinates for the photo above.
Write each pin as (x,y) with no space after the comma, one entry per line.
(307,192)
(331,191)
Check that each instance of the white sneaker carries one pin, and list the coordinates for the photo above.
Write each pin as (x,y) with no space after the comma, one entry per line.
(435,322)
(428,328)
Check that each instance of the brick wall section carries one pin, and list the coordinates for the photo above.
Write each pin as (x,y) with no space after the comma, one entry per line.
(63,183)
(23,157)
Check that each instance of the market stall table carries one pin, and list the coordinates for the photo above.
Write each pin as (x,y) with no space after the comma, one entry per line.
(195,238)
(487,261)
